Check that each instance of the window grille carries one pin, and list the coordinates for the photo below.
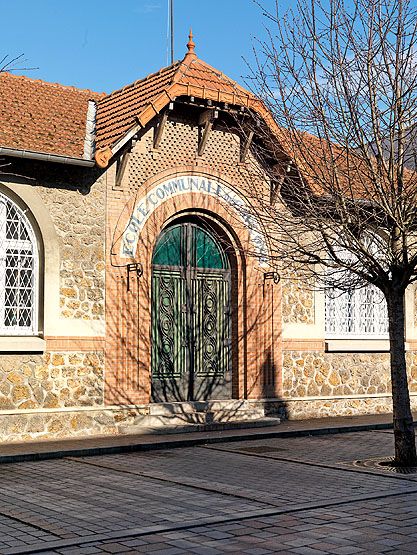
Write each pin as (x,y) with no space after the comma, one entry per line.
(357,312)
(19,267)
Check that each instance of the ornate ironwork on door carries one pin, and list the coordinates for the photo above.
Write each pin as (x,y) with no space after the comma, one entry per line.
(190,316)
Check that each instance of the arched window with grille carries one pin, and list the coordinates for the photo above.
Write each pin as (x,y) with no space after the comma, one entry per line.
(19,271)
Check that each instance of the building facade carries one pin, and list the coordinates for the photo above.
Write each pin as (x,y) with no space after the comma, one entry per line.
(134,272)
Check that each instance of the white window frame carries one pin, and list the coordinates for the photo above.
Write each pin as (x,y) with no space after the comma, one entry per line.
(345,318)
(19,245)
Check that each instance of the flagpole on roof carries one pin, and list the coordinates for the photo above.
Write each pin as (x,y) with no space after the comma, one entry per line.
(171,27)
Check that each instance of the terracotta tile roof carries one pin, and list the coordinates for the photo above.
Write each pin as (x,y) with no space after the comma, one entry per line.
(43,117)
(51,118)
(198,73)
(138,103)
(118,112)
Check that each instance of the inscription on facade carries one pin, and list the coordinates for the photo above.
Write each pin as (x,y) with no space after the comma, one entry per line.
(191,185)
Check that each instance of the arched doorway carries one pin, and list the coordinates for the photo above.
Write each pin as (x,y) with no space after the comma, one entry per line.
(191,328)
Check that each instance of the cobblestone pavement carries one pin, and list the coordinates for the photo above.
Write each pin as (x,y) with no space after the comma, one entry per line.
(325,449)
(292,495)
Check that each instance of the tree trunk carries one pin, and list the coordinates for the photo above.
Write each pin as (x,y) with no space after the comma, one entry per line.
(405,444)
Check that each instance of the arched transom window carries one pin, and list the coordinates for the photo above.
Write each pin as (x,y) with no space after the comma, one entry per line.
(19,269)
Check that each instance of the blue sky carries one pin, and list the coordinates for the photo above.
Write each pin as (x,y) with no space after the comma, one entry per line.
(103,45)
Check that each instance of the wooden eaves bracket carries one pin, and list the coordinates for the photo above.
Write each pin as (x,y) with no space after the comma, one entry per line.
(206,119)
(277,182)
(160,127)
(122,164)
(245,144)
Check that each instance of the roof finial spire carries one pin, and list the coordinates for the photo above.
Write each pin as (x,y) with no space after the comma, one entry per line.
(190,43)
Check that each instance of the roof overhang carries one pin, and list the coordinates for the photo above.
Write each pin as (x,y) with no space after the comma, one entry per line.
(103,155)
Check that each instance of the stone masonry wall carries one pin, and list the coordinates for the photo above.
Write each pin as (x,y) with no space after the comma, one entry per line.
(77,208)
(297,302)
(314,374)
(66,424)
(51,380)
(323,408)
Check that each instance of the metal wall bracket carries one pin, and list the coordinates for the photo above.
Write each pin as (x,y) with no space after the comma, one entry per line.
(272,275)
(135,267)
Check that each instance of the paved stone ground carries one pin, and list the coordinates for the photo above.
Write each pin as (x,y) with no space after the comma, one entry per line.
(276,495)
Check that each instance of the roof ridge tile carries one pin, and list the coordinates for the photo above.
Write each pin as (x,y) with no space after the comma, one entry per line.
(8,74)
(119,113)
(138,81)
(224,76)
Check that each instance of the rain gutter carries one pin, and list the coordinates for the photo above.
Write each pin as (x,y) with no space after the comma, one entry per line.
(46,157)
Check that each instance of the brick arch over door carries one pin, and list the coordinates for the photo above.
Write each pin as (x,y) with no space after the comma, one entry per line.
(258,329)
(240,212)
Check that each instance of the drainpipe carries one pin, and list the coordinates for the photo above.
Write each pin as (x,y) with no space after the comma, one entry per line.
(46,157)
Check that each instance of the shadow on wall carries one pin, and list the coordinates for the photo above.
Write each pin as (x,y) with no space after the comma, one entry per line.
(176,344)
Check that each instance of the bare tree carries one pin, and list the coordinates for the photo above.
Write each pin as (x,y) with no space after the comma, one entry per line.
(339,78)
(12,63)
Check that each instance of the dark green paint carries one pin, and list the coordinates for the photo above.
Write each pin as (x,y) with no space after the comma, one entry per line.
(190,316)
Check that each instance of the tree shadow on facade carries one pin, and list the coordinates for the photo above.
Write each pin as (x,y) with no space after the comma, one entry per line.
(131,346)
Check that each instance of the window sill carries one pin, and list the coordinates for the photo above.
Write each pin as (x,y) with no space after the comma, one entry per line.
(357,345)
(22,344)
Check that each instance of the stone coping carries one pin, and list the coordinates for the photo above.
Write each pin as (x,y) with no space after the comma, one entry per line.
(100,445)
(22,344)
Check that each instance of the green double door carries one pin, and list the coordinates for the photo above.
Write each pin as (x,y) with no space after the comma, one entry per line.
(190,316)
